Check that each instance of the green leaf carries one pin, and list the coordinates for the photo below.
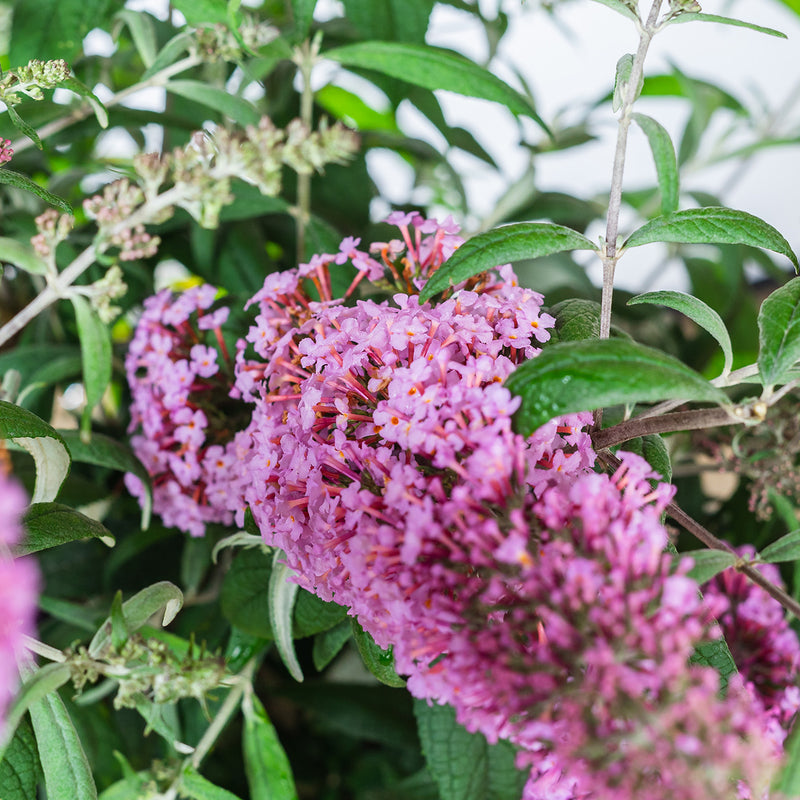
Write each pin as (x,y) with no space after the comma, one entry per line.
(621,8)
(103,451)
(697,311)
(594,373)
(696,17)
(195,787)
(708,563)
(21,255)
(43,442)
(55,29)
(18,181)
(269,774)
(203,12)
(653,450)
(463,764)
(169,54)
(142,30)
(95,340)
(717,655)
(282,593)
(787,782)
(395,20)
(779,332)
(312,615)
(52,524)
(243,600)
(237,108)
(712,226)
(138,610)
(379,662)
(328,644)
(343,104)
(23,127)
(622,77)
(67,774)
(499,246)
(664,157)
(794,5)
(303,13)
(74,85)
(577,318)
(20,770)
(433,68)
(787,548)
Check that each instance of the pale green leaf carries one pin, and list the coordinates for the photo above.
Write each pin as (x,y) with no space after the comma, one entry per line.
(665,160)
(22,256)
(142,31)
(621,8)
(73,84)
(787,548)
(237,108)
(622,76)
(282,594)
(698,17)
(779,332)
(203,12)
(169,54)
(708,563)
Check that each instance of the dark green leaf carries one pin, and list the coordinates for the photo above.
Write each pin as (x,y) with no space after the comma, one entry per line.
(195,787)
(717,655)
(779,332)
(237,108)
(329,643)
(103,451)
(269,774)
(464,765)
(499,246)
(787,548)
(654,451)
(244,597)
(594,373)
(708,563)
(23,127)
(433,68)
(664,157)
(577,319)
(43,442)
(20,770)
(96,354)
(52,524)
(18,181)
(303,13)
(697,311)
(696,17)
(712,226)
(379,662)
(312,615)
(200,12)
(282,593)
(395,20)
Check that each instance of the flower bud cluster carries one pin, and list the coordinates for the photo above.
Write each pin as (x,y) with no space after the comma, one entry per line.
(31,79)
(53,229)
(217,43)
(6,151)
(110,287)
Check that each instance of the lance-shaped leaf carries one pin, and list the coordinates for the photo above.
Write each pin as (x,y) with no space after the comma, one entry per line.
(51,524)
(594,373)
(195,787)
(23,127)
(43,442)
(95,354)
(501,245)
(787,548)
(717,655)
(621,8)
(739,23)
(136,611)
(697,311)
(142,31)
(20,770)
(708,563)
(237,108)
(714,225)
(282,593)
(80,88)
(779,332)
(103,451)
(303,13)
(22,255)
(379,662)
(18,181)
(664,157)
(433,68)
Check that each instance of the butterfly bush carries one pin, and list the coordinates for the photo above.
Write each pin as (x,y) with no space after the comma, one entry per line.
(180,374)
(19,590)
(511,580)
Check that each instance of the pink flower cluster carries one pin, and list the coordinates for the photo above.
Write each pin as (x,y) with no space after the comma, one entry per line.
(180,400)
(6,151)
(19,590)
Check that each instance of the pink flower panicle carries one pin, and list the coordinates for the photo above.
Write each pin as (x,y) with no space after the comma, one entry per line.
(180,375)
(19,589)
(6,151)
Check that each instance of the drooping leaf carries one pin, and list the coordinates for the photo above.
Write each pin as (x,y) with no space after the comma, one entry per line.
(282,594)
(67,773)
(713,225)
(23,127)
(665,160)
(269,774)
(195,787)
(43,442)
(708,563)
(95,340)
(52,524)
(621,8)
(20,770)
(221,101)
(433,68)
(161,596)
(81,89)
(593,373)
(379,662)
(103,451)
(698,17)
(11,178)
(697,311)
(787,548)
(779,332)
(717,655)
(21,255)
(464,765)
(515,242)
